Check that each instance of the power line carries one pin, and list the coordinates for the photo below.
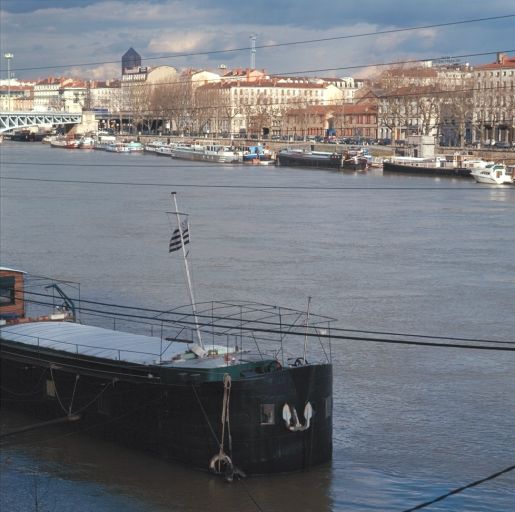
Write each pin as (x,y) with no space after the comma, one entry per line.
(239,187)
(212,317)
(460,489)
(382,64)
(139,86)
(278,45)
(281,331)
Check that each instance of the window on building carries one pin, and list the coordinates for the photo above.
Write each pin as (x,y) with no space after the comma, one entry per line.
(7,296)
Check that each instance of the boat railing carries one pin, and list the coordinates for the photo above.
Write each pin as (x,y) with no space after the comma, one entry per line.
(260,328)
(42,342)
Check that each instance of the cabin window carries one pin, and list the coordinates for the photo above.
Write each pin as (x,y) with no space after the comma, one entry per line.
(267,414)
(7,297)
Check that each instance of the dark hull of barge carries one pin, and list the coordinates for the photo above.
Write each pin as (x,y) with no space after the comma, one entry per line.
(459,172)
(333,161)
(173,414)
(352,165)
(308,160)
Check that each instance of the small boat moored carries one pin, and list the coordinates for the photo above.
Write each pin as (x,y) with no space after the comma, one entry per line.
(493,174)
(86,142)
(258,154)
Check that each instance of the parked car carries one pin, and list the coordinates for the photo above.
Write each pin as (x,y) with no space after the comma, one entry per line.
(502,145)
(384,142)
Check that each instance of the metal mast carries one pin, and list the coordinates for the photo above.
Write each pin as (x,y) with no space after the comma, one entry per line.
(253,51)
(190,289)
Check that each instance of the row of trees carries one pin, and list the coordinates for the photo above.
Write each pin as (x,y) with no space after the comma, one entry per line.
(190,109)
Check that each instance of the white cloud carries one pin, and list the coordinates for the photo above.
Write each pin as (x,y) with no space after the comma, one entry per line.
(102,31)
(178,42)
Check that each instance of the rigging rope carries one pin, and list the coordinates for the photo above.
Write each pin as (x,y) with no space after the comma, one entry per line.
(221,460)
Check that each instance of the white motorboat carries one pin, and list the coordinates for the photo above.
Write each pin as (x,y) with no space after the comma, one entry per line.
(165,149)
(493,174)
(86,142)
(153,146)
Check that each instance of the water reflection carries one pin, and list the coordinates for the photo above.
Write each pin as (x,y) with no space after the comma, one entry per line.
(60,470)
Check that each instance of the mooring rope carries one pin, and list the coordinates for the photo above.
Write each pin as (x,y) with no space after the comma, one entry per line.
(221,457)
(84,407)
(77,377)
(225,412)
(205,415)
(57,392)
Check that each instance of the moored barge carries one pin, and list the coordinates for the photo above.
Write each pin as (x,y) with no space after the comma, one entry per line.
(253,397)
(427,167)
(322,159)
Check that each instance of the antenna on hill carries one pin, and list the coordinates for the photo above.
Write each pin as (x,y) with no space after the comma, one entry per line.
(253,38)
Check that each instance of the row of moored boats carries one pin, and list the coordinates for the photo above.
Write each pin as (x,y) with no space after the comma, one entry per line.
(217,153)
(86,142)
(494,173)
(483,171)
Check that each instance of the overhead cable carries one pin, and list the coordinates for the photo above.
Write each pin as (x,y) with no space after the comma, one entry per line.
(278,45)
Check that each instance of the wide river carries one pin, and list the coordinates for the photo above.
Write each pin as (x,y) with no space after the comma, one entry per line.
(389,253)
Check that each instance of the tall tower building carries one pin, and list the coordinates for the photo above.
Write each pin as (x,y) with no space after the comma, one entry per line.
(131,59)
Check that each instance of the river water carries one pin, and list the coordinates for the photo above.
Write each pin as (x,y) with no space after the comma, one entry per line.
(382,253)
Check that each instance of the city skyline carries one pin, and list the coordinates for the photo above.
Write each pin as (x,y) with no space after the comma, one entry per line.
(88,38)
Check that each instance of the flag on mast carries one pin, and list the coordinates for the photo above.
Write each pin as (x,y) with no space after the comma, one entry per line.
(176,240)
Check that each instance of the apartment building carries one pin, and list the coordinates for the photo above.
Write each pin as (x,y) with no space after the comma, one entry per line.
(494,101)
(252,103)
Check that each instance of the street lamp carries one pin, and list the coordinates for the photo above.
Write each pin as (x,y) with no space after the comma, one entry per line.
(8,57)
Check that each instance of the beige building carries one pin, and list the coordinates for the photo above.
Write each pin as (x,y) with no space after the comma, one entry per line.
(494,101)
(105,95)
(16,96)
(47,95)
(60,94)
(254,105)
(348,86)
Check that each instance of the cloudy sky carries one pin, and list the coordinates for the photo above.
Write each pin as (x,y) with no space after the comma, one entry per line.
(86,38)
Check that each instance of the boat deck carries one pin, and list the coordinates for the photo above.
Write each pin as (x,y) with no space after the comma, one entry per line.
(91,341)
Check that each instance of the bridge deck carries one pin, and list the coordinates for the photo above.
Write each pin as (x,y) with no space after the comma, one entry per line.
(19,120)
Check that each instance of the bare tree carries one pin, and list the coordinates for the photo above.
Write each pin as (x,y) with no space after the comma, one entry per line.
(205,109)
(138,103)
(424,109)
(456,115)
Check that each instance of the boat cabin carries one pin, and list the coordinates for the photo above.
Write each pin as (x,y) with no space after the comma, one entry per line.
(12,304)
